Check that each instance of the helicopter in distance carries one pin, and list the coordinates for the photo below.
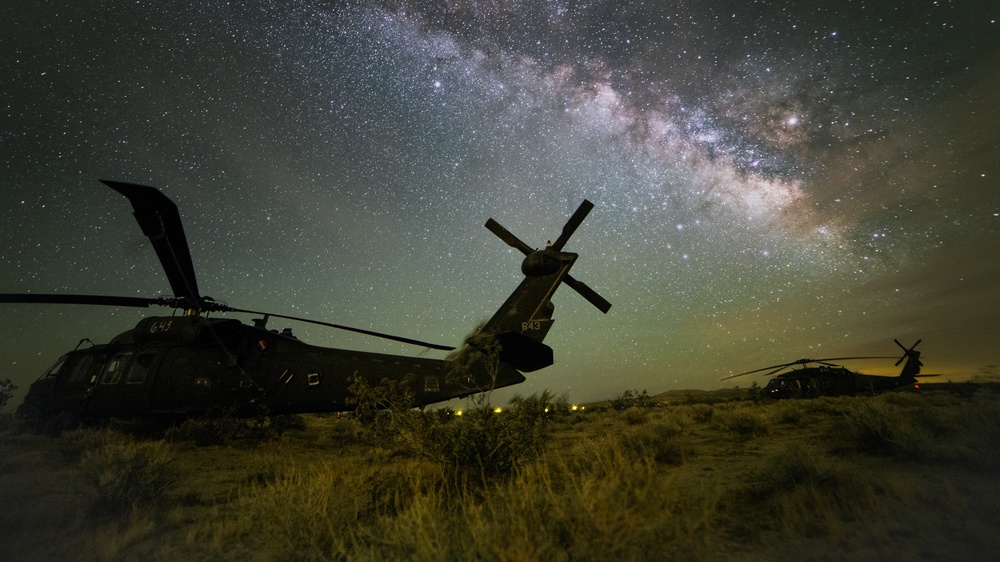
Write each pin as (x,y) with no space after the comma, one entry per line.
(819,377)
(190,363)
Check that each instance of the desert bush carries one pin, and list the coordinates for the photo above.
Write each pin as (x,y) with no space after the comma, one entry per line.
(980,423)
(742,424)
(224,427)
(788,412)
(600,503)
(322,510)
(480,445)
(11,424)
(635,416)
(483,445)
(696,413)
(756,393)
(7,389)
(822,405)
(631,399)
(658,441)
(799,492)
(876,425)
(125,474)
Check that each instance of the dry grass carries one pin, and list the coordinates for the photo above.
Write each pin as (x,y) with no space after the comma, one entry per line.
(868,478)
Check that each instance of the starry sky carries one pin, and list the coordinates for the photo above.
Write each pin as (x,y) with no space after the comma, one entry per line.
(772,180)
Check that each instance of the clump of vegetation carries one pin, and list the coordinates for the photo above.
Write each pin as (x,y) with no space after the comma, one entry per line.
(800,492)
(480,445)
(742,424)
(788,412)
(225,427)
(876,425)
(699,413)
(7,389)
(635,416)
(631,399)
(322,509)
(383,409)
(483,444)
(125,474)
(597,489)
(658,441)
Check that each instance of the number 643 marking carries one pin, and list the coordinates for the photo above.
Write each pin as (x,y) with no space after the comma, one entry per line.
(534,325)
(161,326)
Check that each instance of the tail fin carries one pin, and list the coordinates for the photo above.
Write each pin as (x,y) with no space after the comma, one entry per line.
(523,321)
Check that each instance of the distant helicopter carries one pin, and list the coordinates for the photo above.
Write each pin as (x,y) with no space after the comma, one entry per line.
(189,364)
(829,379)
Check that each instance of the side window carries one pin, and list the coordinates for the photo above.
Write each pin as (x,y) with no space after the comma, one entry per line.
(432,384)
(139,368)
(112,372)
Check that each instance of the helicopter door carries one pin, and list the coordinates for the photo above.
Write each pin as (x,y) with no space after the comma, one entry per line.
(123,386)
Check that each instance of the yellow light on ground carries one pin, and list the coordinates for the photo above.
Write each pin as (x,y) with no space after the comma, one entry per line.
(497,410)
(459,412)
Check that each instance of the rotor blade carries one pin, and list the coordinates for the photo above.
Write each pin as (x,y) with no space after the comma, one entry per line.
(138,302)
(572,224)
(505,235)
(775,367)
(848,358)
(747,373)
(804,362)
(347,328)
(586,292)
(159,220)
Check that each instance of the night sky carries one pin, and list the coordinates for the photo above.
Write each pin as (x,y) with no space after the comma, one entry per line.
(772,180)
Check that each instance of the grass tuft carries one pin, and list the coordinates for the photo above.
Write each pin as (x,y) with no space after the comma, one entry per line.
(125,474)
(741,423)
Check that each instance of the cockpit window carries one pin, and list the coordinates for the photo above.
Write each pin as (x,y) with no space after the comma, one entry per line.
(79,373)
(54,370)
(112,372)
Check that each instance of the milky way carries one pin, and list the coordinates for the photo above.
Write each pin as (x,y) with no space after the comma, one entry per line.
(772,180)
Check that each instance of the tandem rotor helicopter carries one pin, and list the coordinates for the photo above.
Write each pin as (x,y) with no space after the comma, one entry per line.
(828,379)
(188,364)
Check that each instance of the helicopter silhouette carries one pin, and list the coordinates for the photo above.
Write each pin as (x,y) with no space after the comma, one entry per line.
(819,377)
(190,363)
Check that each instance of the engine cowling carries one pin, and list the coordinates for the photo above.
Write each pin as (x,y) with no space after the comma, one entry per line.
(540,262)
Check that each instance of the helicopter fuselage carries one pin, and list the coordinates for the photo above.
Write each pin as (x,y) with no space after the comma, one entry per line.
(831,381)
(184,365)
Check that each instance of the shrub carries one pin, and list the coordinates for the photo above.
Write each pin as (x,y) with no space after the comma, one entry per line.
(756,393)
(701,413)
(125,474)
(479,446)
(657,441)
(741,424)
(789,412)
(7,389)
(877,426)
(631,399)
(483,444)
(802,493)
(224,427)
(635,416)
